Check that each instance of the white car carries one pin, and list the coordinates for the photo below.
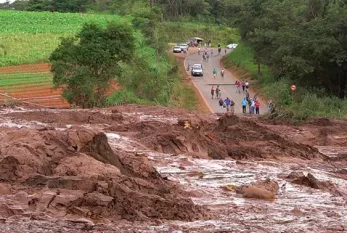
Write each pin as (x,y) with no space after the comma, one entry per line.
(177,49)
(184,47)
(197,70)
(232,46)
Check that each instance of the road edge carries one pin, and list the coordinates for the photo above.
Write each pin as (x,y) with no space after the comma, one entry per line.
(202,96)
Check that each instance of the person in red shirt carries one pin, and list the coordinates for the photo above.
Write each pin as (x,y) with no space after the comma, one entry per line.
(212,92)
(257,106)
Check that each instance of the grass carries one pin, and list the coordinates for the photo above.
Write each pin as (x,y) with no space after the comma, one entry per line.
(30,37)
(305,103)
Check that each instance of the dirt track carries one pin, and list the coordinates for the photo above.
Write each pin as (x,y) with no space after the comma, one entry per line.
(102,169)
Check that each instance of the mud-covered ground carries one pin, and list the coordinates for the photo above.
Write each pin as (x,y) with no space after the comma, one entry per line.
(152,169)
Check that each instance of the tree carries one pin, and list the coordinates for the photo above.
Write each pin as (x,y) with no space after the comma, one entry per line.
(84,65)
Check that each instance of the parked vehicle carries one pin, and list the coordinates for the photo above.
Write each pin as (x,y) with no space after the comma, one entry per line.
(177,49)
(232,46)
(184,46)
(197,70)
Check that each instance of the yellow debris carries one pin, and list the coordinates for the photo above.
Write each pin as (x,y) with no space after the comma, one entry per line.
(187,125)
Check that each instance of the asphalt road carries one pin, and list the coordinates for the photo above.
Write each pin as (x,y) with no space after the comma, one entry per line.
(226,84)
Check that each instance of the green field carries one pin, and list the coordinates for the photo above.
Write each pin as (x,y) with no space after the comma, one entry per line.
(19,80)
(30,37)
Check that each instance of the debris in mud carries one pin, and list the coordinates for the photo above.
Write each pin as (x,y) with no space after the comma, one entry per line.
(64,171)
(310,181)
(267,190)
(76,172)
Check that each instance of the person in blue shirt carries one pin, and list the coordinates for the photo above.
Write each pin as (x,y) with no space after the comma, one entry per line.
(244,105)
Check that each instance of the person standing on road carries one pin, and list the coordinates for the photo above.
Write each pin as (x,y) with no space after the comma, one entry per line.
(214,73)
(239,87)
(244,105)
(257,107)
(222,73)
(232,106)
(225,51)
(252,107)
(217,92)
(212,92)
(211,52)
(255,97)
(221,103)
(243,85)
(247,85)
(227,103)
(247,95)
(199,50)
(249,105)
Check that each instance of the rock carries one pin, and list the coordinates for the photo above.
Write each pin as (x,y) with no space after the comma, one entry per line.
(5,189)
(336,228)
(72,183)
(8,210)
(97,199)
(295,175)
(8,168)
(82,220)
(267,190)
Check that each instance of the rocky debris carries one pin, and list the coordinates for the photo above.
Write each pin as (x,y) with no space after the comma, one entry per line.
(267,190)
(310,181)
(228,137)
(75,172)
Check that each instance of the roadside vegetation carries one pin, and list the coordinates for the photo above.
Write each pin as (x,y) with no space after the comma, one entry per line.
(307,102)
(296,42)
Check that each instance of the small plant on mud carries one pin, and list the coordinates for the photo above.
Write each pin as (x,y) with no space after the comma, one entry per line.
(85,65)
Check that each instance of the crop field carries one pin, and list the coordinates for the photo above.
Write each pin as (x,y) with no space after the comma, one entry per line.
(29,84)
(26,41)
(30,37)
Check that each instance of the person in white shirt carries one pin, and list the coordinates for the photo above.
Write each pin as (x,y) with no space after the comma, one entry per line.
(252,107)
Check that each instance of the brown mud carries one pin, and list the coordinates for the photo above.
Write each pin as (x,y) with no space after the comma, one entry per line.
(155,169)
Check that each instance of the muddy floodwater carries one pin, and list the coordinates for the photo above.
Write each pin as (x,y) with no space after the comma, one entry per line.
(209,159)
(296,208)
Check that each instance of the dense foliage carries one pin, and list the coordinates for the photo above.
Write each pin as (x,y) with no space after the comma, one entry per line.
(212,11)
(85,65)
(303,40)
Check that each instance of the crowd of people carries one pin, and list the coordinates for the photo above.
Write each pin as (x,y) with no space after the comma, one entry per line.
(249,105)
(206,54)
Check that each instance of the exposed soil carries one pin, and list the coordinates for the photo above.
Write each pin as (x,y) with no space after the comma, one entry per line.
(26,68)
(40,94)
(154,169)
(75,173)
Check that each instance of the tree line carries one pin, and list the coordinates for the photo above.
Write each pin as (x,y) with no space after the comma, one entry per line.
(303,40)
(216,11)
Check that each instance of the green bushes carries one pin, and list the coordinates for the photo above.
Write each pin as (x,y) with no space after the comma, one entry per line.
(305,103)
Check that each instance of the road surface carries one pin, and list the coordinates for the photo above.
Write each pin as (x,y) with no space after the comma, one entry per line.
(226,84)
